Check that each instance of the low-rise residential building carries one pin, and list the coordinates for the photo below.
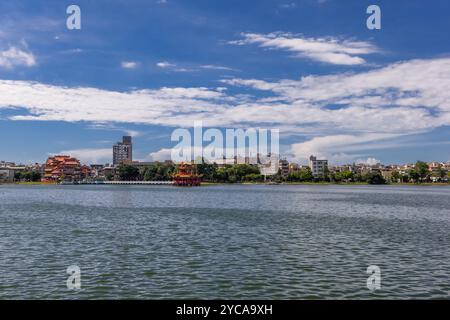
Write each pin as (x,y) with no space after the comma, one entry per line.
(283,165)
(318,167)
(97,171)
(109,172)
(8,174)
(387,175)
(4,164)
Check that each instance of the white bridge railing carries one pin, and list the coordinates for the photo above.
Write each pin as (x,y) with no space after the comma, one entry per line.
(140,182)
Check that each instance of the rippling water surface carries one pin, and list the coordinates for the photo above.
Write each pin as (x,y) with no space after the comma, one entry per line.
(267,242)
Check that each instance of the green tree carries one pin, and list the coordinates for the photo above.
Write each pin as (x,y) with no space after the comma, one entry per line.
(396,176)
(158,172)
(233,173)
(254,177)
(36,176)
(303,175)
(207,170)
(221,175)
(128,172)
(359,178)
(441,173)
(375,177)
(422,170)
(414,176)
(28,176)
(237,172)
(18,176)
(344,176)
(326,174)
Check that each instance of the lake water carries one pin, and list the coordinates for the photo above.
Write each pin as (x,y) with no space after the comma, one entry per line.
(242,241)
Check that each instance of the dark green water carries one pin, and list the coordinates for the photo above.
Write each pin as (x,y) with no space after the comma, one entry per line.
(287,242)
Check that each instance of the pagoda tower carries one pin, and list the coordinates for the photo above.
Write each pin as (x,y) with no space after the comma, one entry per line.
(186,175)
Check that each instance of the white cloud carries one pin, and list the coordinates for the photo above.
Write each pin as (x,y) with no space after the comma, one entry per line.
(338,148)
(290,5)
(161,155)
(90,156)
(165,64)
(411,94)
(214,67)
(16,57)
(340,115)
(184,70)
(164,106)
(369,161)
(327,50)
(175,68)
(112,127)
(129,64)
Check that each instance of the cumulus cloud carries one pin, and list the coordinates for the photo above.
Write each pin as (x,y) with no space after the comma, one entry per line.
(400,99)
(412,94)
(340,115)
(328,50)
(164,106)
(369,161)
(161,155)
(90,155)
(14,56)
(340,148)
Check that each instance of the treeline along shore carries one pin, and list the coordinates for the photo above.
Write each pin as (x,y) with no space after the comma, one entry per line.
(245,173)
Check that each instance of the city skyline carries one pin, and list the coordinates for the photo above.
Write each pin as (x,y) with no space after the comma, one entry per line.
(310,68)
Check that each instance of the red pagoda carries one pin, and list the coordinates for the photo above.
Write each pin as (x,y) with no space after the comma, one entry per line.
(186,176)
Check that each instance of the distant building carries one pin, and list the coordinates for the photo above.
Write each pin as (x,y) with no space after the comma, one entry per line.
(110,173)
(318,167)
(86,173)
(97,171)
(283,167)
(7,174)
(387,175)
(123,151)
(294,167)
(62,168)
(4,164)
(221,163)
(270,165)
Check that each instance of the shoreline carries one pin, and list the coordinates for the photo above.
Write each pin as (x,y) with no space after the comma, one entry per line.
(208,184)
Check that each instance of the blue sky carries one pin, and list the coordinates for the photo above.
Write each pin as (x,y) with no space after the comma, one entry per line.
(308,67)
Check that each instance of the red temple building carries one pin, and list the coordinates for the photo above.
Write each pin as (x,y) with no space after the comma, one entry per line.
(186,176)
(62,168)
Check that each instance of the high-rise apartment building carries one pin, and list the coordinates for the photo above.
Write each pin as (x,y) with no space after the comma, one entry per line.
(123,151)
